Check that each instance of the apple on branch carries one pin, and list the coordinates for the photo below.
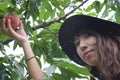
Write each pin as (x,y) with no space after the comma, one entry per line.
(15,21)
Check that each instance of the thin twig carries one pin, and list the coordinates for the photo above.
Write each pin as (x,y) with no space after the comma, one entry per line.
(6,41)
(44,24)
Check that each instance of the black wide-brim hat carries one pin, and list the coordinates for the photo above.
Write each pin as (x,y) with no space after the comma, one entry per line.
(77,23)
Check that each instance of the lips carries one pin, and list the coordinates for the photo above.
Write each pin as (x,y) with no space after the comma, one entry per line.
(87,53)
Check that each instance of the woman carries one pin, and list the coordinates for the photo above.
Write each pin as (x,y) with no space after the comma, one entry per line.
(86,40)
(94,43)
(101,51)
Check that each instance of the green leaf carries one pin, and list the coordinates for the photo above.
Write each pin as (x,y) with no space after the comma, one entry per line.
(117,15)
(97,6)
(59,76)
(50,70)
(47,5)
(15,45)
(42,14)
(55,4)
(74,68)
(106,12)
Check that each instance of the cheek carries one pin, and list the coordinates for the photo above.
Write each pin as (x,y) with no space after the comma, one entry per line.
(79,52)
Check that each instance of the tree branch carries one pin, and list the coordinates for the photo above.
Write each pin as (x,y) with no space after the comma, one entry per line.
(6,41)
(45,24)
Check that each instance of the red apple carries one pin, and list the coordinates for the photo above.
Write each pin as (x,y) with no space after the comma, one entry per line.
(15,21)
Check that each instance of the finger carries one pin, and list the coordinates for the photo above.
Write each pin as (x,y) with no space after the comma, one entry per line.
(9,23)
(9,26)
(4,28)
(4,23)
(9,30)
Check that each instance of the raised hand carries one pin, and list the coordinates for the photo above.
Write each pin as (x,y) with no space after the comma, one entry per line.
(19,34)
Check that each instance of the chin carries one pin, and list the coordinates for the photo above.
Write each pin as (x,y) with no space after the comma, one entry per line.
(92,63)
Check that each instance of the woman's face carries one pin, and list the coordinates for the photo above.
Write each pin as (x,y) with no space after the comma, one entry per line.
(86,49)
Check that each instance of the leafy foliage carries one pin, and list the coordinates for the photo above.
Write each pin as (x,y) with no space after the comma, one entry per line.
(42,20)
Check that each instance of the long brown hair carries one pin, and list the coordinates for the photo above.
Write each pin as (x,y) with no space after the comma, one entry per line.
(108,47)
(109,56)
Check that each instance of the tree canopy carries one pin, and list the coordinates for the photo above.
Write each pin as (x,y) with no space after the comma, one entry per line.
(42,20)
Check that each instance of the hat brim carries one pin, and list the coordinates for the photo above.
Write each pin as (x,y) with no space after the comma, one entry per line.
(77,23)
